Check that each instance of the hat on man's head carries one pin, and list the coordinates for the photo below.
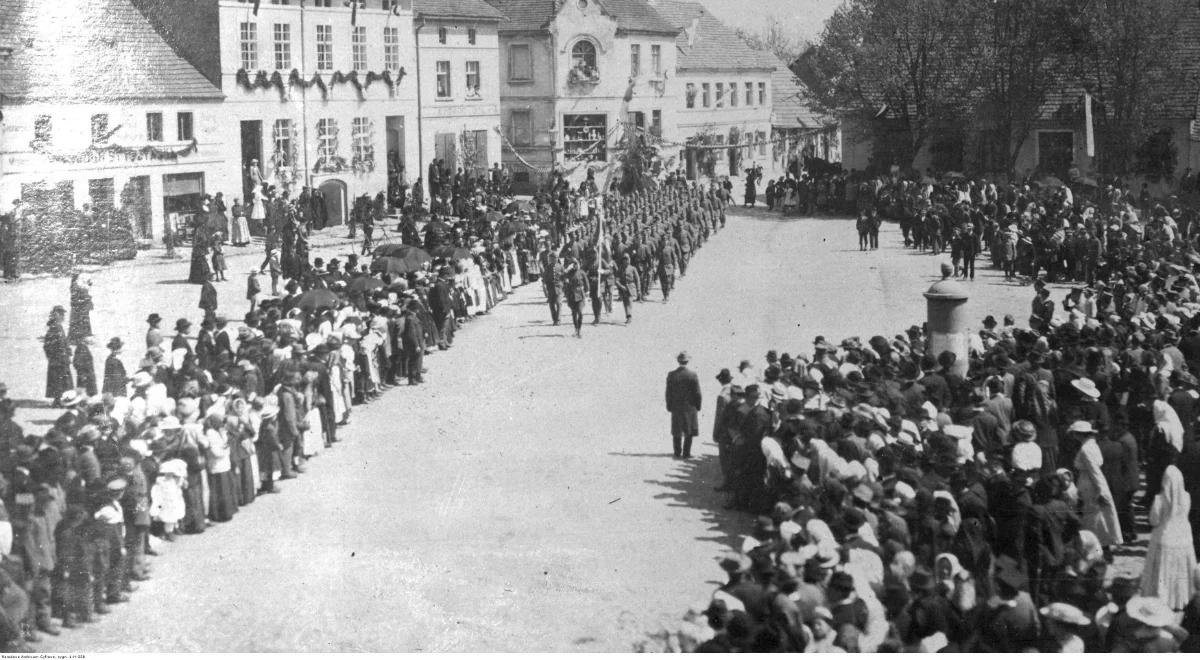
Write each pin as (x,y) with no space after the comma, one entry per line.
(1086,386)
(115,343)
(71,398)
(1064,613)
(734,562)
(841,581)
(1082,427)
(153,318)
(1153,612)
(683,357)
(182,325)
(724,377)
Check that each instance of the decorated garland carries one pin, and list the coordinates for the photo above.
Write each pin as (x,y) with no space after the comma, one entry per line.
(95,152)
(264,80)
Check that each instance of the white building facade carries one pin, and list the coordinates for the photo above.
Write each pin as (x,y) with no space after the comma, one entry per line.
(141,136)
(567,72)
(321,95)
(724,91)
(459,51)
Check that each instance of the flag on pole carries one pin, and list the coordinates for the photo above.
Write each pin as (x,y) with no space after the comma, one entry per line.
(1087,119)
(256,3)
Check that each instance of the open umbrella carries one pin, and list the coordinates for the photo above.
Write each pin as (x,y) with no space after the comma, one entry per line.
(493,216)
(451,252)
(365,284)
(400,265)
(315,299)
(955,175)
(396,250)
(1051,181)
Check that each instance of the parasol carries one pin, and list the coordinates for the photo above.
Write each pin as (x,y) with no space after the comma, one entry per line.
(395,250)
(1051,181)
(365,284)
(401,265)
(451,252)
(315,299)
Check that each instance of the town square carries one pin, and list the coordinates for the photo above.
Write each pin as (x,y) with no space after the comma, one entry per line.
(599,326)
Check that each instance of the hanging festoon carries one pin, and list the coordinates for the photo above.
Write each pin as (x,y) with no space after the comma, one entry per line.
(94,153)
(262,80)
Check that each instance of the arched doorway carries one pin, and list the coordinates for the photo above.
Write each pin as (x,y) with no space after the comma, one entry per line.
(334,192)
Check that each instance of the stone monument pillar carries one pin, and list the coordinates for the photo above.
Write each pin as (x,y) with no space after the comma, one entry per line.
(947,322)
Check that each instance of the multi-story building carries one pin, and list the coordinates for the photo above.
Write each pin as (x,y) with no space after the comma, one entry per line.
(723,89)
(459,75)
(98,109)
(320,93)
(567,66)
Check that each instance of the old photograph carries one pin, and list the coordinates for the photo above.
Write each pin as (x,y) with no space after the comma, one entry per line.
(474,326)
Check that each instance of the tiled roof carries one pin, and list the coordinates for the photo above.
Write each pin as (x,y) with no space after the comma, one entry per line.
(534,15)
(524,15)
(713,45)
(91,51)
(790,101)
(457,9)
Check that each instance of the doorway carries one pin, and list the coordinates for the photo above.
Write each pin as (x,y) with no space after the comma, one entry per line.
(334,192)
(251,150)
(445,148)
(135,199)
(396,174)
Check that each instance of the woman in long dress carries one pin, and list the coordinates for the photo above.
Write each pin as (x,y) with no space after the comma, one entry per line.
(258,210)
(1099,513)
(1165,444)
(1171,556)
(58,356)
(222,491)
(239,229)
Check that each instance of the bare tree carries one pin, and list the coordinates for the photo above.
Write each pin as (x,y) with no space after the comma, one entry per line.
(774,38)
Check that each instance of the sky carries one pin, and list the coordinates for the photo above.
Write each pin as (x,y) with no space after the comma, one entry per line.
(804,18)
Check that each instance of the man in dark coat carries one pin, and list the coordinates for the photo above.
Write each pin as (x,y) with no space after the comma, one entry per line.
(1120,469)
(683,402)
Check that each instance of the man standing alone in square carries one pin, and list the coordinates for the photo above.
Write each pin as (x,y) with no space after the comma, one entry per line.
(683,402)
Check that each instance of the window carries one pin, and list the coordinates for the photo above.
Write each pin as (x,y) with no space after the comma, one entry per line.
(360,135)
(154,126)
(761,138)
(473,78)
(441,35)
(719,141)
(391,48)
(656,60)
(183,122)
(704,98)
(358,48)
(281,2)
(322,3)
(583,56)
(762,93)
(99,129)
(656,122)
(690,96)
(281,137)
(42,128)
(520,127)
(283,46)
(585,137)
(471,36)
(733,95)
(326,139)
(635,60)
(749,93)
(520,62)
(443,79)
(249,45)
(324,47)
(720,95)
